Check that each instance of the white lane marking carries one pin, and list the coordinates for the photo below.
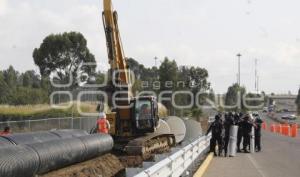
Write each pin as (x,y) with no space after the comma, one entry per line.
(256,165)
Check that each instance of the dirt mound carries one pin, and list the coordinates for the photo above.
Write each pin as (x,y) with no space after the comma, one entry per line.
(105,166)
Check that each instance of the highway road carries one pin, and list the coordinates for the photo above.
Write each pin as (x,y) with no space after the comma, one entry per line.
(280,157)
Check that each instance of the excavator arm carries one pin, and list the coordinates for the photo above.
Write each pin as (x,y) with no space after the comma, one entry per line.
(115,51)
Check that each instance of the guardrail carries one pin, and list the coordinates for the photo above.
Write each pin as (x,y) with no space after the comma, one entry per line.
(179,162)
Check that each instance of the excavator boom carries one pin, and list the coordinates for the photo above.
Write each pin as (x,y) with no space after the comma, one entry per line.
(115,51)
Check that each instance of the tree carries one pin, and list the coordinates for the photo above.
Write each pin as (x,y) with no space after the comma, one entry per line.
(298,102)
(11,77)
(168,72)
(31,79)
(198,82)
(234,93)
(62,55)
(4,90)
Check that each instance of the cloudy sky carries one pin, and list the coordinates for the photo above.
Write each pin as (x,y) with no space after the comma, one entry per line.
(205,33)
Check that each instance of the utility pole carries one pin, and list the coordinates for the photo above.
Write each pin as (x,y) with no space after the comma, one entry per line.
(155,58)
(239,68)
(256,76)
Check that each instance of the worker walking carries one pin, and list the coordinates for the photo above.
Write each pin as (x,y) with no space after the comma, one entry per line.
(216,128)
(258,123)
(6,131)
(103,125)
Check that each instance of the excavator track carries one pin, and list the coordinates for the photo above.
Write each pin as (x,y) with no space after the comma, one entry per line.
(151,144)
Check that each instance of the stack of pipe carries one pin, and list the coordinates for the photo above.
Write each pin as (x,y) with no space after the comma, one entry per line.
(28,154)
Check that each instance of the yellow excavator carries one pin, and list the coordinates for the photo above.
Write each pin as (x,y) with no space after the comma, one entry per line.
(133,119)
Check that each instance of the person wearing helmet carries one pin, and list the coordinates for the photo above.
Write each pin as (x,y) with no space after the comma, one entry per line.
(216,128)
(229,121)
(238,121)
(257,127)
(103,125)
(6,131)
(246,132)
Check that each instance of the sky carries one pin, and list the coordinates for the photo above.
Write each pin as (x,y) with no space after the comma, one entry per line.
(204,33)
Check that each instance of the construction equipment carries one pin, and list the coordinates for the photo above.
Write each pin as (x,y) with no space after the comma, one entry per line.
(133,120)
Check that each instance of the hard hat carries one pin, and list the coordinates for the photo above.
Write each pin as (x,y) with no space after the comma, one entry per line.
(102,115)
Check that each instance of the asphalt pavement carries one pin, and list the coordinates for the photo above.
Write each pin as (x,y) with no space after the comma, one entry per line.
(280,157)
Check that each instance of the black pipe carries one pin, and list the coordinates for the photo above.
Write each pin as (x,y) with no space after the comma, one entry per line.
(58,153)
(18,161)
(32,137)
(5,142)
(26,159)
(69,133)
(97,144)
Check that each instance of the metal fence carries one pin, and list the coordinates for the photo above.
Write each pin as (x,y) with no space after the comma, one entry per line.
(84,123)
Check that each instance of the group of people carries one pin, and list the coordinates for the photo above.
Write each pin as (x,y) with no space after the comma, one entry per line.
(220,129)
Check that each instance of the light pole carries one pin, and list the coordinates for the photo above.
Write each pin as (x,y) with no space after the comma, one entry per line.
(256,76)
(239,68)
(155,58)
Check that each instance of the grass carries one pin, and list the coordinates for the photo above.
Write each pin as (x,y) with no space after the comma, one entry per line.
(32,112)
(24,112)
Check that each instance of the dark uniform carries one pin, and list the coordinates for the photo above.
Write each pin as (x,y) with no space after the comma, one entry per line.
(216,128)
(229,121)
(246,129)
(258,123)
(238,122)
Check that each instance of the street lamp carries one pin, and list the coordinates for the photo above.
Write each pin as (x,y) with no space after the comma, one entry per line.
(239,68)
(155,58)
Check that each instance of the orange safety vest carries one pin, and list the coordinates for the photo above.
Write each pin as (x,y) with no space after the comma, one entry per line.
(102,125)
(4,133)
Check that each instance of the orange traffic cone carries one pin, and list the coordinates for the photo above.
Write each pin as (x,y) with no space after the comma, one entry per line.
(278,128)
(272,128)
(285,130)
(264,126)
(294,130)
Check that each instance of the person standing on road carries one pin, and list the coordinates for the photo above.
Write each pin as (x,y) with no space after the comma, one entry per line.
(216,128)
(238,122)
(247,128)
(258,123)
(229,121)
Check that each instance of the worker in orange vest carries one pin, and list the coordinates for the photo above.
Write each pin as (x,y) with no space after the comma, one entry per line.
(5,132)
(103,125)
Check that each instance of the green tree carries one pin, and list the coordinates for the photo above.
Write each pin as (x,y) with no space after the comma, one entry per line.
(4,90)
(298,102)
(168,73)
(31,79)
(11,77)
(234,93)
(63,55)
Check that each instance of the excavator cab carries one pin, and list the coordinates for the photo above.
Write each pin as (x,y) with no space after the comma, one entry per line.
(145,113)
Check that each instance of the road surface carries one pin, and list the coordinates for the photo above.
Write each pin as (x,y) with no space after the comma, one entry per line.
(280,157)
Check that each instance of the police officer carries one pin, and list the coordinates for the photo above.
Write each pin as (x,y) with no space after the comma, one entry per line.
(246,131)
(216,128)
(238,122)
(229,121)
(257,126)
